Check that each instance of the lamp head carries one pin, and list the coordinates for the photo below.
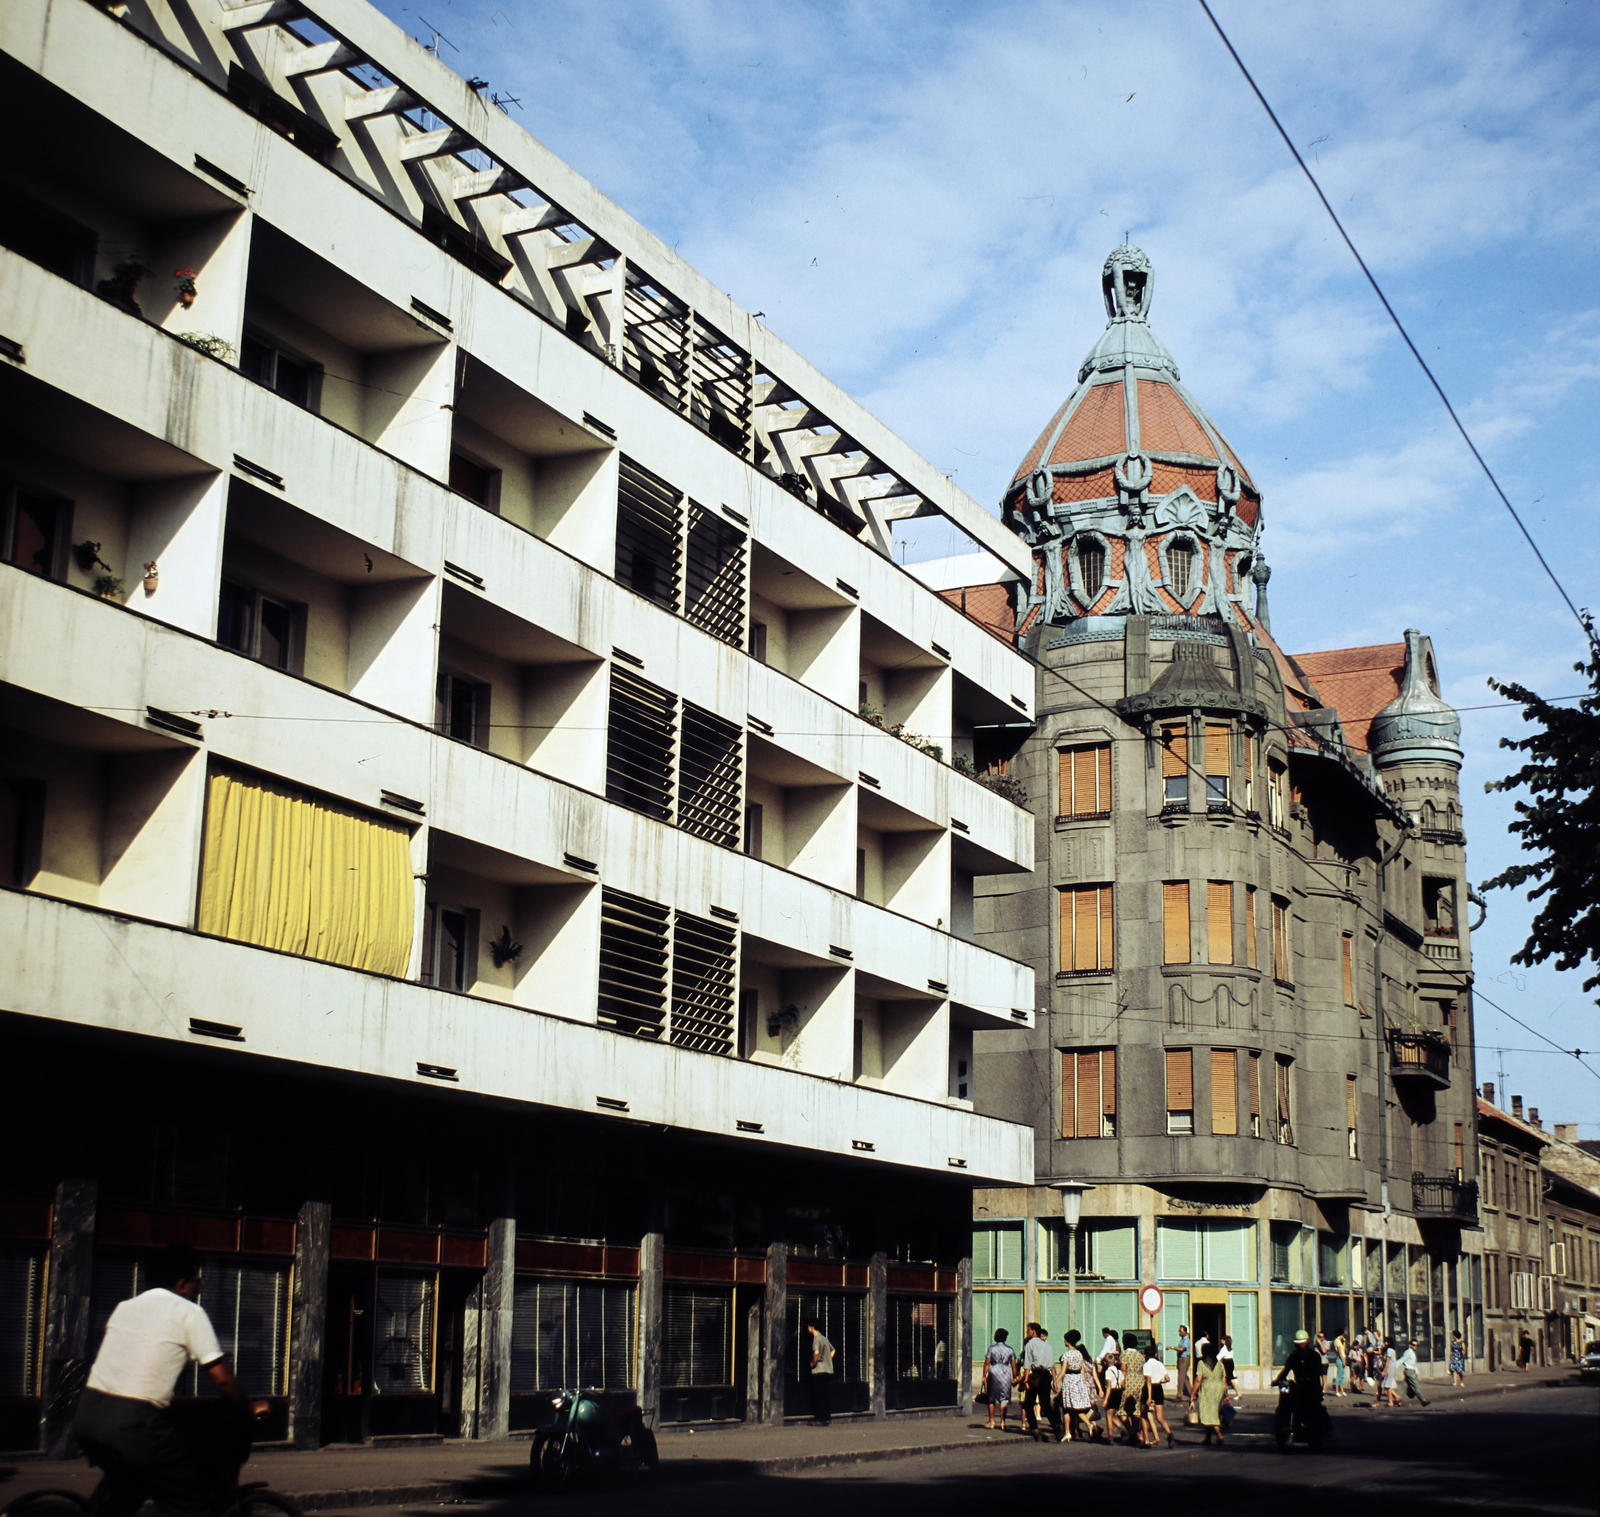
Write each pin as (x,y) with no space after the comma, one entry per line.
(1071,1199)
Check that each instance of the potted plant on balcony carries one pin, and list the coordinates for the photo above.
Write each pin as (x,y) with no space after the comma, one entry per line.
(185,287)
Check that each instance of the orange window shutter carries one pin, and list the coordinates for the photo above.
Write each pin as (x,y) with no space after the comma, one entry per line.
(1175,921)
(1066,929)
(1349,971)
(1460,1151)
(1219,921)
(1224,1092)
(1083,800)
(1174,752)
(1180,1079)
(1086,916)
(1250,926)
(1108,1081)
(1069,1092)
(1103,777)
(1283,1089)
(1255,1085)
(1217,757)
(1107,924)
(1065,757)
(1350,1103)
(1088,1095)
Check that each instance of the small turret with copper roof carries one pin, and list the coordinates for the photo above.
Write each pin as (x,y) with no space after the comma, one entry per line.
(1131,498)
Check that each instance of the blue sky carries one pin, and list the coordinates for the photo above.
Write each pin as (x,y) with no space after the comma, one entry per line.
(920,198)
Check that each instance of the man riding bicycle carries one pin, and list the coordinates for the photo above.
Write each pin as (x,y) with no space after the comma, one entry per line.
(124,1420)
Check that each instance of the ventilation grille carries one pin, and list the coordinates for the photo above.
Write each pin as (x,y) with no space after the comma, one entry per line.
(713,576)
(709,792)
(720,399)
(702,985)
(639,745)
(633,963)
(649,521)
(655,345)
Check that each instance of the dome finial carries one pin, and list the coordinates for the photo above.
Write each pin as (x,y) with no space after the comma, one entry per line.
(1127,283)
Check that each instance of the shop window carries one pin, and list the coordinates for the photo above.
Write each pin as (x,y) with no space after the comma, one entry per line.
(1175,765)
(649,525)
(34,529)
(403,1334)
(1219,921)
(449,947)
(476,481)
(1180,1090)
(1205,1249)
(1085,775)
(463,709)
(1107,1249)
(1087,929)
(1219,767)
(696,1336)
(633,964)
(1224,1092)
(1175,922)
(41,234)
(260,626)
(1089,1093)
(842,1316)
(296,379)
(702,985)
(565,1334)
(919,1349)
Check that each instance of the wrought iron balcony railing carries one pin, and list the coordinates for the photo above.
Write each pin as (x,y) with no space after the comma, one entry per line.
(1423,1055)
(1444,1196)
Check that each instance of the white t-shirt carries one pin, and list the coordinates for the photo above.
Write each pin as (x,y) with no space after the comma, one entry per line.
(148,1341)
(1155,1371)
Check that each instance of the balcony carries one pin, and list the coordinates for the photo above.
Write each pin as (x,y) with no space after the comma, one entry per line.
(1422,1056)
(1444,1196)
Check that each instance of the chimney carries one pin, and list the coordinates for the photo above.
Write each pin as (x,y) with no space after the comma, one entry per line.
(1566,1132)
(1516,1107)
(1533,1117)
(1488,1091)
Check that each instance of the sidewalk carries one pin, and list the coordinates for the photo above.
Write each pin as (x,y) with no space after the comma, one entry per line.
(343,1476)
(1441,1392)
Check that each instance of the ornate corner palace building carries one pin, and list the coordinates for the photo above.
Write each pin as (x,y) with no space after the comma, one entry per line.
(1254,1037)
(462,867)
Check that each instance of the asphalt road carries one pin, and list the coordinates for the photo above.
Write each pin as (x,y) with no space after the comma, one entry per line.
(1535,1453)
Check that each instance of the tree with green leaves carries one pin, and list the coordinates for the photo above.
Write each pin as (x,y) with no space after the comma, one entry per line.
(1560,824)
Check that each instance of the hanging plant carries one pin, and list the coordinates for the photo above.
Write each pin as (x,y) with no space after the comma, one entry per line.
(185,287)
(504,949)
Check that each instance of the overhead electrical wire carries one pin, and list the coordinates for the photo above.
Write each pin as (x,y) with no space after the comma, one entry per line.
(1585,623)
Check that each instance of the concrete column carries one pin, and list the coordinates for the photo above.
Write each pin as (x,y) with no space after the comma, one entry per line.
(961,1349)
(775,1309)
(878,1318)
(313,1237)
(66,1312)
(494,1330)
(652,1259)
(752,1359)
(1030,1267)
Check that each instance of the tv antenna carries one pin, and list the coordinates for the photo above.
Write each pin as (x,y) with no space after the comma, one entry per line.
(438,37)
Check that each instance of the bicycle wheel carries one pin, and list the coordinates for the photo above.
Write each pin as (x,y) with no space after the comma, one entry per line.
(261,1502)
(48,1504)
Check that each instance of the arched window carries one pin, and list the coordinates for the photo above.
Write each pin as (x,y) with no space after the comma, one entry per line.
(1180,567)
(1091,568)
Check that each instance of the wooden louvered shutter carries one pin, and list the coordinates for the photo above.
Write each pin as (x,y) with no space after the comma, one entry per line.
(1175,921)
(1069,1091)
(1084,802)
(1350,1103)
(1065,806)
(1284,1066)
(1107,935)
(1250,950)
(1174,752)
(1217,756)
(1103,777)
(1108,1082)
(1066,930)
(1224,1091)
(1219,921)
(1088,1095)
(1255,1085)
(1086,914)
(1349,971)
(1180,1079)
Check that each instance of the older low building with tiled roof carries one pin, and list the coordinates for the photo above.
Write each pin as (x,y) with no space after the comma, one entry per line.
(1253,1042)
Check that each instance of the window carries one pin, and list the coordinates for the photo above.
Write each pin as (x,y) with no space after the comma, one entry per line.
(649,521)
(1107,1249)
(1533,1192)
(267,106)
(1439,907)
(478,482)
(1175,922)
(1218,763)
(696,1336)
(462,708)
(259,626)
(1521,1290)
(449,947)
(1282,968)
(1285,1070)
(1224,1092)
(752,831)
(713,576)
(1251,954)
(1277,801)
(1350,1118)
(1086,929)
(758,642)
(1086,780)
(702,984)
(1205,1249)
(640,745)
(1558,1259)
(1458,1151)
(296,379)
(1091,568)
(1219,921)
(1252,760)
(1175,765)
(42,235)
(1489,1195)
(1089,1093)
(34,530)
(1180,567)
(1255,1095)
(21,829)
(633,963)
(710,776)
(564,1334)
(861,874)
(1347,968)
(1180,1090)
(997,1252)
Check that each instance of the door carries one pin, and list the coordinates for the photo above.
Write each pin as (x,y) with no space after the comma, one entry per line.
(347,1359)
(1208,1319)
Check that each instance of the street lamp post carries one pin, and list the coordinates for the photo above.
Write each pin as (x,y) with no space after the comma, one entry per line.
(1071,1207)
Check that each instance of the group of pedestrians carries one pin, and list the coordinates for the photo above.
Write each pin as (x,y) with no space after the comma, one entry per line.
(1119,1394)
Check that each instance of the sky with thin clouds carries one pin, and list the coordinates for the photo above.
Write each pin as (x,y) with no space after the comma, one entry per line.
(920,198)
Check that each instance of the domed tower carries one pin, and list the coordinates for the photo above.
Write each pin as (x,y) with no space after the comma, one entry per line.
(1131,498)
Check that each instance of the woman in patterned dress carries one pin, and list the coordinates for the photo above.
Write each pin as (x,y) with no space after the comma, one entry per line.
(1458,1358)
(1078,1385)
(998,1365)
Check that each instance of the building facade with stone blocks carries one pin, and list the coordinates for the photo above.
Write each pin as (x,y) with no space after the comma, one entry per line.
(488,830)
(1254,1030)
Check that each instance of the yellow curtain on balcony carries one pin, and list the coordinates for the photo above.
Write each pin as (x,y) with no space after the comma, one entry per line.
(283,870)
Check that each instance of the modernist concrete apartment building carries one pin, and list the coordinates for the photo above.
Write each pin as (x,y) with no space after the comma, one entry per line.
(489,831)
(1255,1036)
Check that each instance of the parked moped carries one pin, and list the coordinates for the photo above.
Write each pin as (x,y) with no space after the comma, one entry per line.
(591,1431)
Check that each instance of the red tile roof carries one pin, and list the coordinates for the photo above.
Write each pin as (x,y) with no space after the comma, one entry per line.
(1358,682)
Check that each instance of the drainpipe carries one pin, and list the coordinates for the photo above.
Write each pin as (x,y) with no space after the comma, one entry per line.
(1383,1046)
